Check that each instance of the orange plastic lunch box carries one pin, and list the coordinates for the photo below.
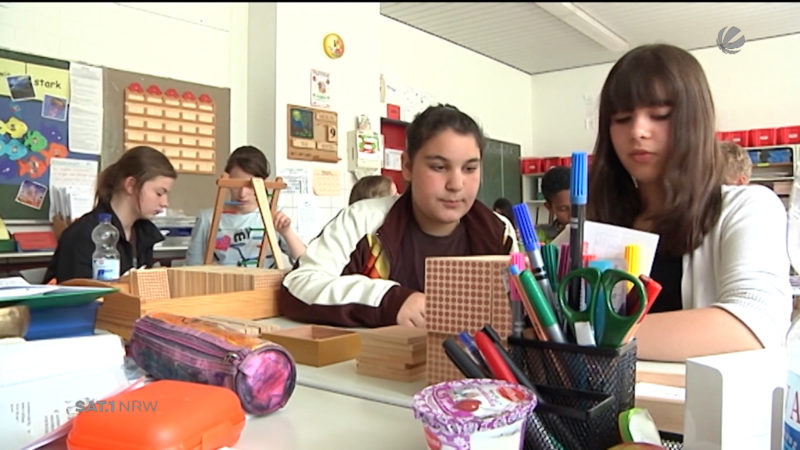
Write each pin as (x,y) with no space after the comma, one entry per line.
(162,414)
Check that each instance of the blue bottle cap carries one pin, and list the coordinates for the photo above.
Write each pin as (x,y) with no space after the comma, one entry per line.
(104,217)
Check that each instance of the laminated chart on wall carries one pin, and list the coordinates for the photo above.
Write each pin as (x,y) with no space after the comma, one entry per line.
(179,125)
(35,115)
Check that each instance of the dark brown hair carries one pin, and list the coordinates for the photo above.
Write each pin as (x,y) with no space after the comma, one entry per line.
(655,75)
(436,119)
(371,186)
(142,163)
(249,159)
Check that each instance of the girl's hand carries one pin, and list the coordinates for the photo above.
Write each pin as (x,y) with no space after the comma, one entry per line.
(412,313)
(281,221)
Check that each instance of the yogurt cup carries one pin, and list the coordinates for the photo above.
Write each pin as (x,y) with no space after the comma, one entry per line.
(474,414)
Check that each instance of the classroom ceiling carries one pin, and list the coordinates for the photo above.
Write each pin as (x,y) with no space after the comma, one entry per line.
(545,37)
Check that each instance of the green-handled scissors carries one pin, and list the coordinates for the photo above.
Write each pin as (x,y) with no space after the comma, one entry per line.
(610,328)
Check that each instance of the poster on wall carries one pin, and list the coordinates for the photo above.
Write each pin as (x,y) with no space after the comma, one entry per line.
(35,114)
(320,89)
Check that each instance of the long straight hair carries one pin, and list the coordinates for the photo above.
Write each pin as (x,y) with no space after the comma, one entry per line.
(653,75)
(142,163)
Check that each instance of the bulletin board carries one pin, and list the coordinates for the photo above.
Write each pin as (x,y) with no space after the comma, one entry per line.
(188,122)
(34,125)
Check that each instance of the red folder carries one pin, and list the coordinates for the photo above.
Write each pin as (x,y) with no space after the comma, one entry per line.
(35,241)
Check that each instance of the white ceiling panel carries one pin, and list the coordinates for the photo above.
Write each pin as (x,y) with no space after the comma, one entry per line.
(531,39)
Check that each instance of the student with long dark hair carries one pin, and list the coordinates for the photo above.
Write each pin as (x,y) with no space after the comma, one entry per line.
(367,266)
(133,190)
(721,257)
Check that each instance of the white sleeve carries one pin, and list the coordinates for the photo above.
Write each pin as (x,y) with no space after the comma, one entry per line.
(195,253)
(753,272)
(318,279)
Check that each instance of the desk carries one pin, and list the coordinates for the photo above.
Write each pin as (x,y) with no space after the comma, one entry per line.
(14,261)
(338,421)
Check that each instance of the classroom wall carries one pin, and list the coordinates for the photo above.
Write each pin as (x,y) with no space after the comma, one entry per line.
(755,88)
(187,41)
(354,88)
(496,95)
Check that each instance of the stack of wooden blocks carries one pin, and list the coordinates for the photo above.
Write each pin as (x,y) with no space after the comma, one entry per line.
(395,352)
(235,292)
(462,294)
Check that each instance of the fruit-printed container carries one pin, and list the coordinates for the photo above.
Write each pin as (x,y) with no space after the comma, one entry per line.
(474,414)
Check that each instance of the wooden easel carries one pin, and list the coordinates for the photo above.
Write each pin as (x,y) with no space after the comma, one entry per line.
(260,186)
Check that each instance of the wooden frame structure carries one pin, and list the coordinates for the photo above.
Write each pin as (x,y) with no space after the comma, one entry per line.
(260,186)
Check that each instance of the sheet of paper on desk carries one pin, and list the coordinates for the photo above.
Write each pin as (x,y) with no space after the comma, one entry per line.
(16,286)
(608,242)
(42,381)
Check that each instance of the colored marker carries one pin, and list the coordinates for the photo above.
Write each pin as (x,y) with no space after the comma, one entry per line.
(493,359)
(543,311)
(578,183)
(461,360)
(528,237)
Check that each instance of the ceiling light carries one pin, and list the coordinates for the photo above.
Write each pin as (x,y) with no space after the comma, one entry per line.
(578,19)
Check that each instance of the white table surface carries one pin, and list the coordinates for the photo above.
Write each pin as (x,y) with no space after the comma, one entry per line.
(318,419)
(342,378)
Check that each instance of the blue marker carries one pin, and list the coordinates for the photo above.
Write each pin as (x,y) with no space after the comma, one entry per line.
(472,350)
(578,185)
(527,235)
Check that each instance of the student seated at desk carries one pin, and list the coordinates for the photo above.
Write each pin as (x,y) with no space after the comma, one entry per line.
(721,256)
(367,266)
(555,189)
(737,166)
(372,186)
(240,225)
(132,190)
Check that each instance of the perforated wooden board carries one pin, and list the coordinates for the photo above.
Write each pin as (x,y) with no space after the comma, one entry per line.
(466,293)
(150,284)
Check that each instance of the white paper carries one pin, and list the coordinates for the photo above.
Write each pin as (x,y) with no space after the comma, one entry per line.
(17,286)
(42,380)
(307,220)
(296,180)
(85,85)
(85,130)
(86,109)
(608,242)
(392,159)
(72,187)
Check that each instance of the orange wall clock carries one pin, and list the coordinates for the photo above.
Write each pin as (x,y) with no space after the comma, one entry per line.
(333,45)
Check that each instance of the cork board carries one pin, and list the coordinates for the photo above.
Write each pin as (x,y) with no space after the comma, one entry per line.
(193,190)
(312,134)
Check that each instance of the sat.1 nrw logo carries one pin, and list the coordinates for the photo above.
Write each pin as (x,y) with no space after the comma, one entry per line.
(726,43)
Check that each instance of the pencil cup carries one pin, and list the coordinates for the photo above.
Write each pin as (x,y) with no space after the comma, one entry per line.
(575,419)
(605,371)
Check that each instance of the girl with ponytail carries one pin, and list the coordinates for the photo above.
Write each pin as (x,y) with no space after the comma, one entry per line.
(132,190)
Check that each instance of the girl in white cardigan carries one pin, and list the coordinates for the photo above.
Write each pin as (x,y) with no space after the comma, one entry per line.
(722,257)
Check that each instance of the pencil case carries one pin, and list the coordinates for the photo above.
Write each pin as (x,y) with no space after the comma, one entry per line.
(168,346)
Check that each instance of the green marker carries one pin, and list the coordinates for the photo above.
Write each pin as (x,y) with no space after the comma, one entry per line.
(542,308)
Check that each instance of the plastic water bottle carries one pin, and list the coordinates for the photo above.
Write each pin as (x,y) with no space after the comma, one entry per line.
(791,407)
(105,259)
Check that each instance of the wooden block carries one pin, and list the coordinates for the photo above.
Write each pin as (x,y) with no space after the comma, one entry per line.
(668,374)
(396,334)
(150,284)
(247,327)
(317,345)
(466,293)
(438,366)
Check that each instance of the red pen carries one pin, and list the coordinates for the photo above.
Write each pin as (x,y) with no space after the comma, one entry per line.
(496,364)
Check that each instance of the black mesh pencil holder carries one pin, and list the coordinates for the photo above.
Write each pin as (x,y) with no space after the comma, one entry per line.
(607,371)
(571,419)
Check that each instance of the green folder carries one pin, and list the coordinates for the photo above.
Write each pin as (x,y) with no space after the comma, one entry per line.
(62,296)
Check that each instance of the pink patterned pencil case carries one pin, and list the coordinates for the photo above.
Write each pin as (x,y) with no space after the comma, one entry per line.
(169,346)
